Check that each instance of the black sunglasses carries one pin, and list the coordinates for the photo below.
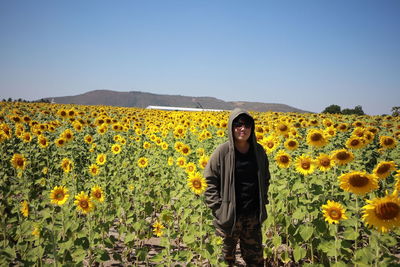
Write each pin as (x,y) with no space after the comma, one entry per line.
(238,124)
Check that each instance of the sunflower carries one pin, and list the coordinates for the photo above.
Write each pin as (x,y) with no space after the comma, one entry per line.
(282,128)
(67,165)
(185,150)
(164,145)
(190,167)
(324,162)
(59,195)
(102,129)
(334,212)
(94,170)
(68,135)
(170,161)
(270,143)
(316,138)
(158,229)
(60,142)
(359,183)
(25,208)
(330,131)
(36,231)
(387,142)
(181,162)
(384,169)
(42,141)
(116,148)
(26,137)
(97,193)
(200,152)
(221,133)
(88,139)
(178,145)
(77,126)
(18,161)
(101,159)
(355,142)
(143,162)
(342,127)
(305,165)
(203,161)
(291,144)
(197,183)
(146,145)
(179,131)
(383,213)
(283,159)
(83,203)
(397,177)
(342,156)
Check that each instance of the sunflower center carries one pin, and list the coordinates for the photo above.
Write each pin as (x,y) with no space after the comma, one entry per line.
(342,155)
(388,141)
(282,127)
(97,194)
(383,169)
(284,159)
(354,142)
(305,165)
(20,162)
(335,214)
(196,184)
(84,204)
(387,211)
(59,195)
(358,180)
(292,144)
(316,137)
(325,162)
(270,144)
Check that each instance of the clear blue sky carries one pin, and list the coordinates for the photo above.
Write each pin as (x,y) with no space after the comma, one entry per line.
(308,54)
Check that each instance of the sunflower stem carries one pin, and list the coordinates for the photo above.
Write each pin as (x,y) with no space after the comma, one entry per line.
(54,238)
(336,239)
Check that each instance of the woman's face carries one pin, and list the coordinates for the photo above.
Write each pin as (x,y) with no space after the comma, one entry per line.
(241,130)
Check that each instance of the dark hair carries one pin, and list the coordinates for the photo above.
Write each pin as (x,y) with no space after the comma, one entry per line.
(248,120)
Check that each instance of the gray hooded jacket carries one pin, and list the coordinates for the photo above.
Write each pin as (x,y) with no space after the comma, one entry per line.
(220,177)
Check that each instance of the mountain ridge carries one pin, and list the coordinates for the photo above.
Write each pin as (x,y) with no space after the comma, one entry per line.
(143,99)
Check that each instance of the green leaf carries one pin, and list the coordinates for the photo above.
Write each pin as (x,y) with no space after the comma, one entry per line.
(350,234)
(299,253)
(188,239)
(158,257)
(129,237)
(306,232)
(102,255)
(299,214)
(276,240)
(78,255)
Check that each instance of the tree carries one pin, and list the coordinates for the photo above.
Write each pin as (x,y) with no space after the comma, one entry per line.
(395,111)
(332,109)
(358,110)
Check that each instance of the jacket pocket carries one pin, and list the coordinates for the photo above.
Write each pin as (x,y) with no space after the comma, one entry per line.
(225,214)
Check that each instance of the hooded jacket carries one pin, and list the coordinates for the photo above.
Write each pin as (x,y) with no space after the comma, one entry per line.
(220,176)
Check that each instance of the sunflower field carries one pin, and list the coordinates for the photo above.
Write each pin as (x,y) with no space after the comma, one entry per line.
(100,185)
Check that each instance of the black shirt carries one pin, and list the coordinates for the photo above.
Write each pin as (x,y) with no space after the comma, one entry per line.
(246,183)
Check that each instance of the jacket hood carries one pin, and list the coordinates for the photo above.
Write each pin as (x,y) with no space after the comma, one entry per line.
(233,115)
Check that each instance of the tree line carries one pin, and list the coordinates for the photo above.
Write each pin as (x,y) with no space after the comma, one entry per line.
(26,101)
(357,110)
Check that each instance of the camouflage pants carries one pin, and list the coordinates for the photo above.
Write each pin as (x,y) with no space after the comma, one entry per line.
(248,232)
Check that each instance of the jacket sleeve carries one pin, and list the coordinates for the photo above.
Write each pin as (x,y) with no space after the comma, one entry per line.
(212,174)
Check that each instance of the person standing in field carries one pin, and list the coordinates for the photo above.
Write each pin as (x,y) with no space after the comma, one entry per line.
(237,176)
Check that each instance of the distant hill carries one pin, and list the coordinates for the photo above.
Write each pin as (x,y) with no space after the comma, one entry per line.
(142,100)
